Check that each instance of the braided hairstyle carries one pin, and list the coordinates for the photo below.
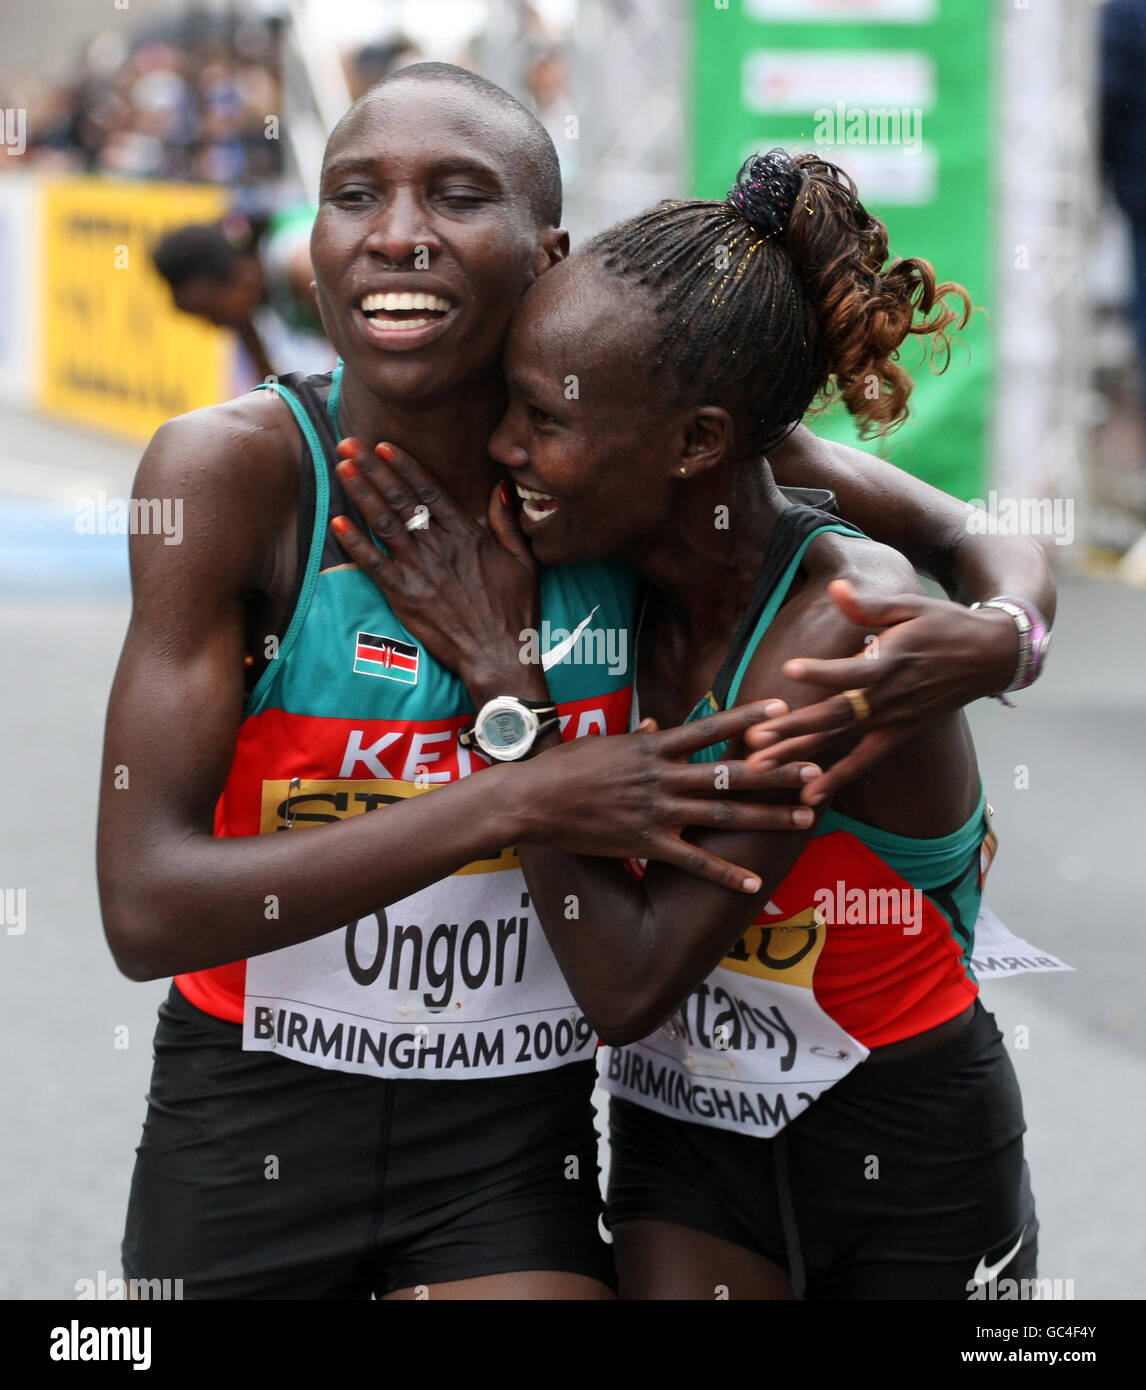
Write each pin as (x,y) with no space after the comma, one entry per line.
(779,295)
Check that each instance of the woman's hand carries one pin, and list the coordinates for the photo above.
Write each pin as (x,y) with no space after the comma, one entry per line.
(465,592)
(632,795)
(932,657)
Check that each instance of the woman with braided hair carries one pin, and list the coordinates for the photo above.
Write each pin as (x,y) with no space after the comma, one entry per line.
(807,1097)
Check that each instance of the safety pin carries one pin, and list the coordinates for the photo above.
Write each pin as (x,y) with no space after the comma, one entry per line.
(295,784)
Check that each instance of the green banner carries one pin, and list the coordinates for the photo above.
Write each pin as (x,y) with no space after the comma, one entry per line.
(899,92)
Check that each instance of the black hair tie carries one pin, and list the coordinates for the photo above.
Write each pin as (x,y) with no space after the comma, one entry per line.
(765,192)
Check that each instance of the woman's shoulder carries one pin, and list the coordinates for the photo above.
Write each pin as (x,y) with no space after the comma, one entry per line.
(872,567)
(240,456)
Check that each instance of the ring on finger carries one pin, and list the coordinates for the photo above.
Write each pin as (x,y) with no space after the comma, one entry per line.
(858,701)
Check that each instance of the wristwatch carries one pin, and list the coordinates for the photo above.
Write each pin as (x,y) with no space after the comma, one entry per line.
(1034,639)
(506,728)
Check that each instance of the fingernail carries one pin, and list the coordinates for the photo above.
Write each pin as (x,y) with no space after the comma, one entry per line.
(347,448)
(809,774)
(340,525)
(761,740)
(503,492)
(752,885)
(347,469)
(385,452)
(803,818)
(774,708)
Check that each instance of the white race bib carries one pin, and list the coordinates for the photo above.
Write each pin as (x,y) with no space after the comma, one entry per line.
(454,982)
(749,1051)
(744,1054)
(1000,955)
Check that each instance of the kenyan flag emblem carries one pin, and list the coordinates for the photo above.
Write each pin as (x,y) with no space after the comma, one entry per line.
(386,657)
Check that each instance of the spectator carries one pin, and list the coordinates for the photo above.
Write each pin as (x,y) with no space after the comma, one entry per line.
(191,103)
(233,272)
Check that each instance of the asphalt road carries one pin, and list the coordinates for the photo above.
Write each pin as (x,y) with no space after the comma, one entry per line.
(1069,876)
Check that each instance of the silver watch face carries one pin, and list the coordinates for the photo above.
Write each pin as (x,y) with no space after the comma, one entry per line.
(505,729)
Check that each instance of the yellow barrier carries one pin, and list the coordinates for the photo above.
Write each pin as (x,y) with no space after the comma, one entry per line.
(116,353)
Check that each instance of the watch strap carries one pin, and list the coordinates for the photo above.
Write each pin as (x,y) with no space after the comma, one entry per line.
(546,711)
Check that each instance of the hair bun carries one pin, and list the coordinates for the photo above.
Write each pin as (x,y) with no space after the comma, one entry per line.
(765,192)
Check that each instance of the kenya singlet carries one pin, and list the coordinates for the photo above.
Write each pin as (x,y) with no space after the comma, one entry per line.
(867,940)
(351,716)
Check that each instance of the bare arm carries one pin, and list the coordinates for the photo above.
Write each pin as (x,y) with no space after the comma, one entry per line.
(925,524)
(175,898)
(633,951)
(932,656)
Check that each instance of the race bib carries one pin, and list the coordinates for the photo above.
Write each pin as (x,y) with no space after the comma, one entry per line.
(455,982)
(1001,955)
(750,1048)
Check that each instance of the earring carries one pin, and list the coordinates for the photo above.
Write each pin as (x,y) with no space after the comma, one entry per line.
(683,468)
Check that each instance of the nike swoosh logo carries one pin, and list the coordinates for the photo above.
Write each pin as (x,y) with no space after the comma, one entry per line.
(984,1272)
(563,648)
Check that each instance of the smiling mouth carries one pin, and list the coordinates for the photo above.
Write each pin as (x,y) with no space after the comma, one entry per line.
(403,312)
(536,506)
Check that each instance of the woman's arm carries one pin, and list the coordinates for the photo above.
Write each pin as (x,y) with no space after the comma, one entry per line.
(931,657)
(632,951)
(920,521)
(174,897)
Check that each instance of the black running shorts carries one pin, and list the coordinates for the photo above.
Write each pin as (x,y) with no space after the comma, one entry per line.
(906,1180)
(260,1177)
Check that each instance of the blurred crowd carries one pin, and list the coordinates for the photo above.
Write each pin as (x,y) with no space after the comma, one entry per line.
(188,100)
(192,99)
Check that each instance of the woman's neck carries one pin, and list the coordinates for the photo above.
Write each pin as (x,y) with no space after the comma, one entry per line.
(447,436)
(705,563)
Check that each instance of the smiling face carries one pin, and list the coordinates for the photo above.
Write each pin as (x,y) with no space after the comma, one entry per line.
(591,437)
(426,237)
